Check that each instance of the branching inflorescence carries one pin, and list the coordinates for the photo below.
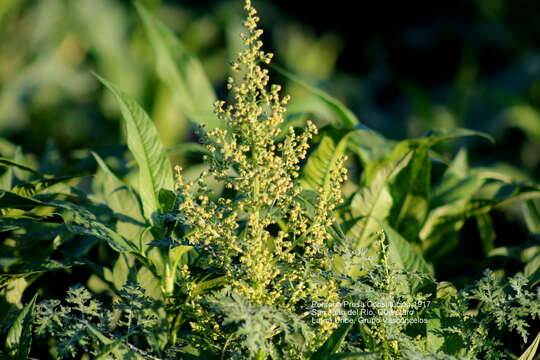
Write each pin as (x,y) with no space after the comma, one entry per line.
(261,236)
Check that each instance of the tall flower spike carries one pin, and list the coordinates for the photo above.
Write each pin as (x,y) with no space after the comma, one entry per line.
(260,234)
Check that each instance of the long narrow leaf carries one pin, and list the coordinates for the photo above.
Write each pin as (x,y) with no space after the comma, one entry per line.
(530,353)
(346,116)
(19,337)
(333,343)
(29,189)
(155,171)
(181,71)
(8,163)
(32,268)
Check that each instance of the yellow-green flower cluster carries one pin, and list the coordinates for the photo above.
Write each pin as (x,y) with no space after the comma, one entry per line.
(262,236)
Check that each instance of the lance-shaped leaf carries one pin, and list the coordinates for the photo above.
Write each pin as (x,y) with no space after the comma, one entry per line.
(30,189)
(530,353)
(478,196)
(155,171)
(437,135)
(33,268)
(19,337)
(181,71)
(333,343)
(8,223)
(9,163)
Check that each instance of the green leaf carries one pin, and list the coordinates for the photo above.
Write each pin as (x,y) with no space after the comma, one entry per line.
(436,339)
(81,221)
(369,145)
(352,356)
(181,71)
(9,163)
(30,189)
(346,116)
(453,190)
(167,200)
(115,347)
(372,203)
(317,171)
(399,157)
(208,282)
(333,343)
(121,270)
(450,200)
(411,191)
(155,170)
(19,337)
(525,117)
(403,147)
(121,199)
(444,222)
(486,231)
(532,216)
(404,255)
(14,201)
(152,288)
(180,255)
(30,268)
(17,222)
(532,270)
(150,283)
(438,135)
(530,353)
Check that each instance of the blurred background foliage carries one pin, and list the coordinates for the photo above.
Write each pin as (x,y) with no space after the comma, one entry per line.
(403,68)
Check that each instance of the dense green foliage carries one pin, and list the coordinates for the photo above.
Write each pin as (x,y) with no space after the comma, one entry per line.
(280,242)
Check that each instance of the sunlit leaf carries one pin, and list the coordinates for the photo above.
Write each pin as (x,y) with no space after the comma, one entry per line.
(317,171)
(530,353)
(372,203)
(155,170)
